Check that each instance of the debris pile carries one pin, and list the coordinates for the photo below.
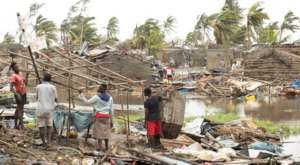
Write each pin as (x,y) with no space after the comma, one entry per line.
(6,96)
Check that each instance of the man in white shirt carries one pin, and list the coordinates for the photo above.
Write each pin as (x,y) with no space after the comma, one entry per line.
(46,97)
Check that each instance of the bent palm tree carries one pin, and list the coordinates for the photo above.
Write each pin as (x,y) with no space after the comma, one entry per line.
(289,24)
(269,34)
(203,25)
(81,27)
(169,24)
(112,29)
(8,39)
(255,19)
(45,28)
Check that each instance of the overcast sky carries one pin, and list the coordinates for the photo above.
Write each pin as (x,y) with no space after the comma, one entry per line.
(132,12)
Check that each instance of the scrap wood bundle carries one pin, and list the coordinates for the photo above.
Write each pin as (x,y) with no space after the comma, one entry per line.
(219,86)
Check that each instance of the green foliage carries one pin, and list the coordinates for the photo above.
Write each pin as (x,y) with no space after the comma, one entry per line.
(255,20)
(80,26)
(274,128)
(239,36)
(189,119)
(290,23)
(45,28)
(169,25)
(226,22)
(149,35)
(8,39)
(120,123)
(192,38)
(112,29)
(269,34)
(34,9)
(270,126)
(222,117)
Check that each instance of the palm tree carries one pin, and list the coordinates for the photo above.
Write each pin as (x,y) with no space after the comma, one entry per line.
(8,39)
(254,21)
(34,9)
(112,29)
(289,24)
(223,27)
(203,27)
(193,37)
(139,39)
(45,28)
(226,22)
(150,35)
(169,25)
(80,27)
(269,34)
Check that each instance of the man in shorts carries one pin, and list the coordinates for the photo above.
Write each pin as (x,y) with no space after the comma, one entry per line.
(47,98)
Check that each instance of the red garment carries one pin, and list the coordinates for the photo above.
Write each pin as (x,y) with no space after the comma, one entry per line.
(153,127)
(102,115)
(19,82)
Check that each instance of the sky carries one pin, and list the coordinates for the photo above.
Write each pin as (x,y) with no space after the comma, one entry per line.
(133,12)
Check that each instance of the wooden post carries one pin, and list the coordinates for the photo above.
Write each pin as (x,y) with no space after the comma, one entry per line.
(269,94)
(30,53)
(69,96)
(128,129)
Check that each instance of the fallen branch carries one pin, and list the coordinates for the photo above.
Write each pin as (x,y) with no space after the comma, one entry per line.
(21,149)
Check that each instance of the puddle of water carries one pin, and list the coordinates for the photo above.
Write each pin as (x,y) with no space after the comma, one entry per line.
(279,110)
(292,146)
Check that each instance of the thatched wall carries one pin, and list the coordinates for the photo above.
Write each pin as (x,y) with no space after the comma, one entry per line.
(272,65)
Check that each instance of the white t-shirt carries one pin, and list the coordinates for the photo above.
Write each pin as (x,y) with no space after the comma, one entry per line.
(169,71)
(46,94)
(98,104)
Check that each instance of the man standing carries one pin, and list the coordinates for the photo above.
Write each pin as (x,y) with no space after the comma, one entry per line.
(18,87)
(102,123)
(47,98)
(152,118)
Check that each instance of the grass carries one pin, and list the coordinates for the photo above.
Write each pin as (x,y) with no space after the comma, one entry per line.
(189,119)
(270,126)
(222,117)
(120,123)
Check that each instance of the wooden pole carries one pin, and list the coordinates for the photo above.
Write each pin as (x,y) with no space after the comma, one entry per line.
(128,128)
(30,52)
(69,96)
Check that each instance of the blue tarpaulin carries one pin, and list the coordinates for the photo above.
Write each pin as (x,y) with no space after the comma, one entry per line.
(80,120)
(296,84)
(266,146)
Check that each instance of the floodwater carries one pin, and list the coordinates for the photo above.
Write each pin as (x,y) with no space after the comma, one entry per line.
(279,110)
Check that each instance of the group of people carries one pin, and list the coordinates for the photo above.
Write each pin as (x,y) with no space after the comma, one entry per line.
(46,101)
(167,73)
(102,103)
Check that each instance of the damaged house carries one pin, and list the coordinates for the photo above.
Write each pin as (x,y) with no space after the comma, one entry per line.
(274,65)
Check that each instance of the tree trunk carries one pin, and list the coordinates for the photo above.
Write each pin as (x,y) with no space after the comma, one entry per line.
(248,35)
(280,35)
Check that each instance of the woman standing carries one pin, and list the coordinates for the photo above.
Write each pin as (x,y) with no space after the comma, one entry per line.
(102,124)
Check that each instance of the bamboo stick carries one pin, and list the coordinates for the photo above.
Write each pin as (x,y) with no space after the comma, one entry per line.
(102,68)
(94,70)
